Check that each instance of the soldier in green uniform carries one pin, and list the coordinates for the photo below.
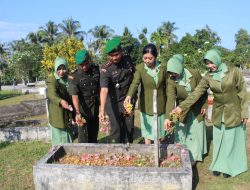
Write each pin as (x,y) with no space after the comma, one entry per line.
(229,116)
(84,88)
(116,76)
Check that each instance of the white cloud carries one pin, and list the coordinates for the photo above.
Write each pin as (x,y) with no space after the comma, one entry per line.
(15,31)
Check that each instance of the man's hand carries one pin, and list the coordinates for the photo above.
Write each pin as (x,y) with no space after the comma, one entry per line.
(102,116)
(127,101)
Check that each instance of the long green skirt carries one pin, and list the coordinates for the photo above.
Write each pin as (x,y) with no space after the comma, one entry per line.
(60,136)
(147,126)
(192,134)
(229,150)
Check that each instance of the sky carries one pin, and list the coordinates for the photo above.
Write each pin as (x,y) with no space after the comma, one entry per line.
(225,17)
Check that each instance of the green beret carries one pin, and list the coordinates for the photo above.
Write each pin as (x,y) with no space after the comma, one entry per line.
(81,56)
(112,45)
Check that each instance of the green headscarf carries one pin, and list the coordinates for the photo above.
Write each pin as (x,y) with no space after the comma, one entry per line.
(60,61)
(214,55)
(175,64)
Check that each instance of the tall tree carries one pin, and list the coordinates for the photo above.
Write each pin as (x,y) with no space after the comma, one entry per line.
(143,37)
(70,28)
(101,34)
(50,32)
(242,49)
(131,46)
(167,29)
(35,37)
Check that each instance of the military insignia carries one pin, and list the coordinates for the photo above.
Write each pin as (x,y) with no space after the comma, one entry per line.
(103,70)
(70,77)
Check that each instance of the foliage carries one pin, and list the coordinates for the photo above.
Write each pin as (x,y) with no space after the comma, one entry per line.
(49,32)
(193,47)
(66,49)
(25,63)
(101,34)
(131,46)
(70,28)
(242,50)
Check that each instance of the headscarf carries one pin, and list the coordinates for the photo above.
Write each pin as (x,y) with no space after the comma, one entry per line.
(58,62)
(175,64)
(214,55)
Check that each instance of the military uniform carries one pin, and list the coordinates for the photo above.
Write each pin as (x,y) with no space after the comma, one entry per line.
(86,86)
(117,78)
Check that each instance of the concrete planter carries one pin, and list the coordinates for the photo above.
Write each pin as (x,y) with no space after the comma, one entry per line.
(48,175)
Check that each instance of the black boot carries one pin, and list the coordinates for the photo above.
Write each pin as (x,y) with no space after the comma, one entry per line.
(215,173)
(226,175)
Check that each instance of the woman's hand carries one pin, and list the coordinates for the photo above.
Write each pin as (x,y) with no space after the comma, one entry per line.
(177,110)
(203,112)
(167,124)
(65,104)
(244,121)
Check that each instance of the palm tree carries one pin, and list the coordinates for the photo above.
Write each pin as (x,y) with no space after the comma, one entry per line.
(35,37)
(18,45)
(159,39)
(142,37)
(101,34)
(126,32)
(70,28)
(50,32)
(167,30)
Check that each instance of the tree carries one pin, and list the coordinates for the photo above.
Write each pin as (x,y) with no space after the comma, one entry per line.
(159,39)
(242,50)
(101,34)
(66,49)
(70,28)
(131,46)
(167,29)
(50,32)
(143,38)
(24,63)
(35,37)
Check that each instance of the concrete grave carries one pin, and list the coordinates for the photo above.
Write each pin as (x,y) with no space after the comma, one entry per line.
(50,175)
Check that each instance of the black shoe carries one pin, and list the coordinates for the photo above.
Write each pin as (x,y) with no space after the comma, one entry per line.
(215,173)
(226,175)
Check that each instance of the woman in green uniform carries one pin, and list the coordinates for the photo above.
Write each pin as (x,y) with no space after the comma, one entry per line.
(59,103)
(151,75)
(229,116)
(192,131)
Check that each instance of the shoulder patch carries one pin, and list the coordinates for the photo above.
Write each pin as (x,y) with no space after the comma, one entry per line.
(70,77)
(73,71)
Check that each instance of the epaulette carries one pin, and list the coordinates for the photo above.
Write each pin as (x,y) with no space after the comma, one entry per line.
(105,66)
(73,71)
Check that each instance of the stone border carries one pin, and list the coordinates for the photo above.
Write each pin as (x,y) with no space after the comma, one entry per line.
(25,134)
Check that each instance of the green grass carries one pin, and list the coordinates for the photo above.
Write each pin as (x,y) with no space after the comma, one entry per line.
(12,99)
(5,94)
(16,161)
